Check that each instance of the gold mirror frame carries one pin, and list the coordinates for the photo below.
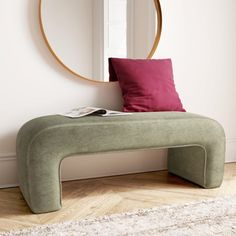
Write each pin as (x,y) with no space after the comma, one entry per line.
(151,53)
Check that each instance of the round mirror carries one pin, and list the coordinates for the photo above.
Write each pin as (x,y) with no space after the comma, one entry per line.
(83,34)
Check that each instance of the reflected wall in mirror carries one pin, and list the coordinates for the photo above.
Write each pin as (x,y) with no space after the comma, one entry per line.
(83,34)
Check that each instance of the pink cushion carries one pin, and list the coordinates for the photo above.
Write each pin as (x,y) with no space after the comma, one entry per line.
(146,84)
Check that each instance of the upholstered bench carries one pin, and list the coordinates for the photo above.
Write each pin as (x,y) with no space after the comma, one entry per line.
(196,148)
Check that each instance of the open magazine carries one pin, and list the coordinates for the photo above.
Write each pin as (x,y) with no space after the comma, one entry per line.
(85,111)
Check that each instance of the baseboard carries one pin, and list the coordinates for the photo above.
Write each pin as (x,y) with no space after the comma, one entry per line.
(230,150)
(8,171)
(92,166)
(100,165)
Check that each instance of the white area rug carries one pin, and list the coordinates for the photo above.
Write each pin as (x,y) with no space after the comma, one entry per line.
(208,217)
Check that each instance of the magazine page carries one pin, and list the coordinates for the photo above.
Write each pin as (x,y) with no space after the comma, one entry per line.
(85,111)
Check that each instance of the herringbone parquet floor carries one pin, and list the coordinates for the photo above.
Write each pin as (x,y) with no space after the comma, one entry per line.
(97,197)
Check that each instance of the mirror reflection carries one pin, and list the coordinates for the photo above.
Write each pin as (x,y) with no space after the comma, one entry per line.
(83,34)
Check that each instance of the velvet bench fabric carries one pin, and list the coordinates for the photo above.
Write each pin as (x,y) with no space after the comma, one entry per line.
(196,148)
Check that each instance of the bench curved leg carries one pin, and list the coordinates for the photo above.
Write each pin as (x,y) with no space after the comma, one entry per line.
(43,189)
(203,166)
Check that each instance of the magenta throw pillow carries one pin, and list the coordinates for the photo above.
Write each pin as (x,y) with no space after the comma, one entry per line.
(147,84)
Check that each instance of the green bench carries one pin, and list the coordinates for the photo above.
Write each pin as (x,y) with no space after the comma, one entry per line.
(196,148)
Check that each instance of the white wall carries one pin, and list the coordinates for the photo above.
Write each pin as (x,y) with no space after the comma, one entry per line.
(199,35)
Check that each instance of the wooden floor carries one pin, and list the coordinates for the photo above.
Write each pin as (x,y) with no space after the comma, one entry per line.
(97,197)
